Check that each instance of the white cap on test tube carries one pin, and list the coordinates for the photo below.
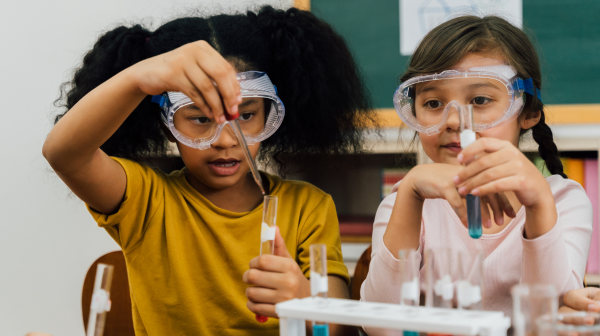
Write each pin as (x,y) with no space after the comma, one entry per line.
(319,283)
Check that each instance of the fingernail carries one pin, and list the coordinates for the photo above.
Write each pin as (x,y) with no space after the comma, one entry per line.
(460,157)
(475,191)
(488,223)
(462,190)
(234,109)
(500,221)
(239,98)
(593,307)
(222,119)
(456,179)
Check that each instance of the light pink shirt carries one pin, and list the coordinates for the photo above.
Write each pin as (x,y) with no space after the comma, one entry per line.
(558,257)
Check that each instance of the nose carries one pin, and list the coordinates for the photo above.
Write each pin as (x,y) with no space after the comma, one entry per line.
(453,120)
(227,138)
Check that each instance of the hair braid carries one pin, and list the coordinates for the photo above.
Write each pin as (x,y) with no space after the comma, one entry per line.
(542,134)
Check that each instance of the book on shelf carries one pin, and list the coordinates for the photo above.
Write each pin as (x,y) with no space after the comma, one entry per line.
(389,177)
(591,188)
(356,225)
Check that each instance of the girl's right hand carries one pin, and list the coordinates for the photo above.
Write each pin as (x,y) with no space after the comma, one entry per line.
(192,69)
(583,299)
(431,181)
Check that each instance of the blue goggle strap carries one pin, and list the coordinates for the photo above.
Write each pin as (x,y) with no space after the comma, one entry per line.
(526,85)
(161,100)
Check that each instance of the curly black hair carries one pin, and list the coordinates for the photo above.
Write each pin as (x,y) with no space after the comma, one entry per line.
(327,103)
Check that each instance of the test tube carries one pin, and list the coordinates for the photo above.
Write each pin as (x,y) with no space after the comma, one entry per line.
(319,283)
(530,302)
(469,287)
(440,287)
(409,275)
(467,137)
(268,227)
(100,300)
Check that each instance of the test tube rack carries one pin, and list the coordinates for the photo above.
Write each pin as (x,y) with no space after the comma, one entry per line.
(293,314)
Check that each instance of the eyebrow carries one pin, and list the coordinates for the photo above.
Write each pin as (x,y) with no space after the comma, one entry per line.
(471,86)
(248,102)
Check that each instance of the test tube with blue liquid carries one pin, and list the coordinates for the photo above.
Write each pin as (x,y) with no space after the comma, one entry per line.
(467,137)
(319,283)
(268,228)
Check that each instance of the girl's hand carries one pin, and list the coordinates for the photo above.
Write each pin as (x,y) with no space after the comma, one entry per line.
(495,166)
(583,299)
(436,181)
(276,278)
(500,166)
(192,69)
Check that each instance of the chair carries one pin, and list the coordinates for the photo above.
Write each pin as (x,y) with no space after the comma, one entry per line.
(360,274)
(119,320)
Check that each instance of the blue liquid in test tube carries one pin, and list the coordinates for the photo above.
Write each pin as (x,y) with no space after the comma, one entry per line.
(474,216)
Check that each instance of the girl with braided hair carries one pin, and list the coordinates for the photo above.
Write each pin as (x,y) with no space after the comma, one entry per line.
(191,238)
(542,225)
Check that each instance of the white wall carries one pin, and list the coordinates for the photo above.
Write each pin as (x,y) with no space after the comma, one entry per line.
(48,240)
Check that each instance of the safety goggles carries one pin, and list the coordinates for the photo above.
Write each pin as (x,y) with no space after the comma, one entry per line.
(496,93)
(261,113)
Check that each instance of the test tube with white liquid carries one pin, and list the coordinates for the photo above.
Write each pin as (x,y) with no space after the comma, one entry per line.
(467,137)
(440,286)
(410,291)
(319,283)
(268,228)
(100,300)
(469,287)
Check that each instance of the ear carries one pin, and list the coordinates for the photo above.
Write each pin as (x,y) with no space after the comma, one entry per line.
(167,133)
(531,119)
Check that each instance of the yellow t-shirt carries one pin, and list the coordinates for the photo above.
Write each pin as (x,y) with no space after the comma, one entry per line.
(186,257)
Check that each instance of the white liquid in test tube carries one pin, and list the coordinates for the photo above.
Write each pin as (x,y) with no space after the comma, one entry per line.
(100,300)
(268,228)
(319,283)
(467,137)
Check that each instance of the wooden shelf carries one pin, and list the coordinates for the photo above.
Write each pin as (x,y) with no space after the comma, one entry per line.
(555,115)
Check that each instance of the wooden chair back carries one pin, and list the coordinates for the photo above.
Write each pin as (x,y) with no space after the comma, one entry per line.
(360,274)
(119,320)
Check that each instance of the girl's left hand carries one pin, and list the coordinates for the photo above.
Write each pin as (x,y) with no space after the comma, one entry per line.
(494,166)
(275,278)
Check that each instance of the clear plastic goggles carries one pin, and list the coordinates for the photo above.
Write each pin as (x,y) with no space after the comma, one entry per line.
(261,113)
(497,95)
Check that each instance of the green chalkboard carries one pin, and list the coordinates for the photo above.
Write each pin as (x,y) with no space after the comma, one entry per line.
(566,33)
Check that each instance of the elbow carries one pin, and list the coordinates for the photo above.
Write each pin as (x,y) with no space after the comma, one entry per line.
(49,154)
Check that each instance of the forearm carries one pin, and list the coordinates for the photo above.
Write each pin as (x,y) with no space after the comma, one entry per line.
(80,132)
(404,228)
(541,218)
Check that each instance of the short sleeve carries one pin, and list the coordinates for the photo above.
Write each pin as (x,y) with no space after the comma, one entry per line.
(321,226)
(144,195)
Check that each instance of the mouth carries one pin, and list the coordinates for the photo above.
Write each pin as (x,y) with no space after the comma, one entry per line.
(453,146)
(225,167)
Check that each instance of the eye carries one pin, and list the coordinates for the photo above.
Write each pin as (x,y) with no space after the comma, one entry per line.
(246,116)
(433,104)
(200,120)
(480,100)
